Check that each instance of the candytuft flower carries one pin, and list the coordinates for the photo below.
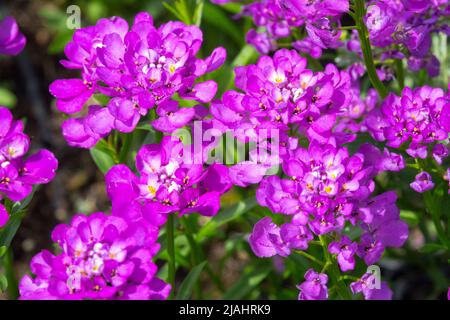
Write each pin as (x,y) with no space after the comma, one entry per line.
(172,178)
(315,286)
(137,69)
(12,41)
(18,173)
(423,182)
(102,257)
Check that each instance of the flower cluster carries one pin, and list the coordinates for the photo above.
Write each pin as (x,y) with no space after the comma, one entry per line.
(172,178)
(280,91)
(102,257)
(12,41)
(418,117)
(19,173)
(136,69)
(325,188)
(404,29)
(317,22)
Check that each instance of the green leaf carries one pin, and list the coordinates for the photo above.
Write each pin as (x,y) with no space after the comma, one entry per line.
(101,99)
(432,247)
(247,55)
(104,156)
(185,291)
(248,282)
(60,40)
(410,217)
(8,232)
(3,250)
(198,12)
(225,216)
(215,16)
(3,283)
(7,98)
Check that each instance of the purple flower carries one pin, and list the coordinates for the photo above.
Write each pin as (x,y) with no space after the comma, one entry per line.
(19,173)
(102,257)
(422,182)
(266,240)
(137,69)
(4,216)
(440,152)
(345,250)
(278,92)
(381,221)
(12,41)
(172,178)
(367,285)
(315,286)
(407,23)
(275,20)
(411,118)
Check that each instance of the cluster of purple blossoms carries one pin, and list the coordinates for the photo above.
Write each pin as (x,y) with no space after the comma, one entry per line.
(18,173)
(280,92)
(317,23)
(102,257)
(324,189)
(418,117)
(12,41)
(315,287)
(137,69)
(404,29)
(172,178)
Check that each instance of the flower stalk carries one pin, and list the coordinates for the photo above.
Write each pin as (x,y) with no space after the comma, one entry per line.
(367,49)
(170,233)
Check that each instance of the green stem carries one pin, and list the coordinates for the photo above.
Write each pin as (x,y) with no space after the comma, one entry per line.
(431,205)
(198,255)
(125,149)
(13,288)
(400,73)
(310,257)
(334,272)
(171,252)
(367,49)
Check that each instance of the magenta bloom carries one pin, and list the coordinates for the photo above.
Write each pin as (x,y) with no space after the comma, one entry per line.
(12,41)
(345,250)
(315,286)
(409,23)
(280,91)
(412,119)
(275,20)
(102,257)
(422,183)
(368,287)
(138,68)
(172,178)
(19,173)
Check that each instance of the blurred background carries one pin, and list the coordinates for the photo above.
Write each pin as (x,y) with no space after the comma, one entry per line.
(413,272)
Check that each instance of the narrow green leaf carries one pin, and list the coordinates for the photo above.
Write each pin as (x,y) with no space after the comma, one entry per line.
(248,282)
(3,283)
(409,217)
(3,250)
(104,156)
(215,16)
(432,247)
(198,12)
(185,291)
(8,232)
(225,216)
(7,98)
